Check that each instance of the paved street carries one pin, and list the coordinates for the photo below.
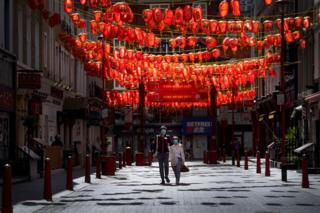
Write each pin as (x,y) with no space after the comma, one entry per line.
(217,188)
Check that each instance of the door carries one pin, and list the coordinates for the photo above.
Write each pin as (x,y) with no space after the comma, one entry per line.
(199,144)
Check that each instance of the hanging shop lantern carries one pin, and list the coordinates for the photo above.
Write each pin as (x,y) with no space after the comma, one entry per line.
(83,2)
(161,26)
(248,25)
(93,3)
(81,24)
(223,8)
(178,16)
(255,26)
(173,43)
(105,3)
(222,26)
(267,2)
(75,18)
(168,17)
(157,14)
(213,25)
(147,15)
(181,42)
(192,41)
(298,21)
(97,15)
(235,6)
(187,13)
(303,44)
(205,28)
(306,22)
(93,27)
(68,6)
(197,13)
(268,25)
(194,27)
(210,42)
(83,37)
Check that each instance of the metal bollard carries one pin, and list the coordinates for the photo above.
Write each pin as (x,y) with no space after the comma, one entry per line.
(98,167)
(47,190)
(7,190)
(305,175)
(69,182)
(258,163)
(238,158)
(120,161)
(87,169)
(246,160)
(267,169)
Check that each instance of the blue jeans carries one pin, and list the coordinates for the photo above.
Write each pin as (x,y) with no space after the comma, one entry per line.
(177,169)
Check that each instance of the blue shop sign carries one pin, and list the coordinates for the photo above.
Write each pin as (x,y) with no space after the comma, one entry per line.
(197,126)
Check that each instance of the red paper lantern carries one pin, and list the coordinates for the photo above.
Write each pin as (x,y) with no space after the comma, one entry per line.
(168,17)
(157,14)
(222,26)
(205,28)
(298,22)
(303,44)
(192,41)
(235,5)
(54,20)
(306,22)
(255,26)
(197,13)
(187,13)
(83,37)
(268,25)
(267,2)
(97,15)
(68,6)
(93,3)
(223,8)
(81,24)
(213,25)
(194,27)
(93,27)
(178,16)
(210,42)
(83,2)
(248,25)
(75,18)
(173,43)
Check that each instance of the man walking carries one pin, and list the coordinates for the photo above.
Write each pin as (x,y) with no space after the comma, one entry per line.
(162,146)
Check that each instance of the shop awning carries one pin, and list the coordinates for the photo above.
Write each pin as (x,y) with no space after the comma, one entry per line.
(29,152)
(303,148)
(313,97)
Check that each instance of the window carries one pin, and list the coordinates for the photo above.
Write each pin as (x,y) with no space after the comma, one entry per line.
(161,6)
(7,24)
(204,7)
(57,63)
(45,50)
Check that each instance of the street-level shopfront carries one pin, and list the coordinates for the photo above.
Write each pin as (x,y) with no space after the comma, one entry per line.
(197,132)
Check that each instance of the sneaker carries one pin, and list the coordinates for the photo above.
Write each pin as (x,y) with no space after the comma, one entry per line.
(168,180)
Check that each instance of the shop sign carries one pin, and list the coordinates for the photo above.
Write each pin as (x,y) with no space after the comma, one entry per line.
(6,99)
(197,126)
(29,81)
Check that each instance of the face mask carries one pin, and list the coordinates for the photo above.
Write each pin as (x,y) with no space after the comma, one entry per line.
(175,142)
(163,131)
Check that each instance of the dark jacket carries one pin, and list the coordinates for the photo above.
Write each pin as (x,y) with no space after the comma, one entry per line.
(163,143)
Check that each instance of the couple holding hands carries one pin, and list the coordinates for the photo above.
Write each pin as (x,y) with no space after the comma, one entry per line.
(169,149)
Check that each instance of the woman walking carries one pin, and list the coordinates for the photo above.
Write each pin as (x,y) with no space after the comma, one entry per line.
(177,158)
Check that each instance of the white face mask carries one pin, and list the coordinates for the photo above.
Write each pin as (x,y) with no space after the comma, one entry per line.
(163,131)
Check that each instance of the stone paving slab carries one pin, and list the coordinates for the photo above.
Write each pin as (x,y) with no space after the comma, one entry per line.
(206,188)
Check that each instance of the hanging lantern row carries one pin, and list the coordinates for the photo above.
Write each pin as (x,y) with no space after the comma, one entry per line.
(119,13)
(117,98)
(239,97)
(53,19)
(172,106)
(235,43)
(191,18)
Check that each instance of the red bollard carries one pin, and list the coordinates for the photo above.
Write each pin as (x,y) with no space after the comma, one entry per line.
(224,155)
(238,158)
(150,158)
(98,167)
(7,190)
(305,175)
(258,163)
(87,169)
(47,190)
(69,183)
(267,170)
(123,159)
(246,167)
(120,161)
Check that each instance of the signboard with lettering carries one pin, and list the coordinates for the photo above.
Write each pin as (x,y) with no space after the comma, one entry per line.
(171,92)
(197,126)
(29,81)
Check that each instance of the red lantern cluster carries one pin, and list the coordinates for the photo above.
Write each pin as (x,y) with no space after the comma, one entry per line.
(117,98)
